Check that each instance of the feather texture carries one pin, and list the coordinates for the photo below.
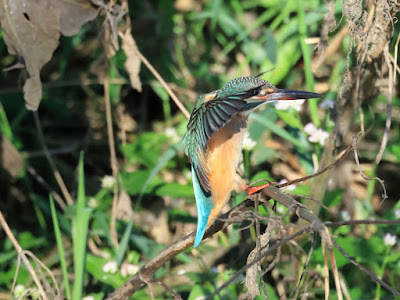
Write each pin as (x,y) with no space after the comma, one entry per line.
(212,112)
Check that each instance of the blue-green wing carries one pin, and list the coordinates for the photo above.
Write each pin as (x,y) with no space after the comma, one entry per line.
(206,119)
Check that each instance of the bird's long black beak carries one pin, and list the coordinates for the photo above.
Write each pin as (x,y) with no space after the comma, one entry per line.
(281,94)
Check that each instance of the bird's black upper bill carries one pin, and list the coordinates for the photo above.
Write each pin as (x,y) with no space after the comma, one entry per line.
(282,94)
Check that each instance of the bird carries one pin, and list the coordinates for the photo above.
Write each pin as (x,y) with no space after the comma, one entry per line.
(214,140)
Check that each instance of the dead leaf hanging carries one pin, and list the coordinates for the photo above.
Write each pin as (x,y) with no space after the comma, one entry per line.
(31,30)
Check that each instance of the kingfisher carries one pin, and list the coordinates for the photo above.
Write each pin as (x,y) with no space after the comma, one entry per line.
(214,141)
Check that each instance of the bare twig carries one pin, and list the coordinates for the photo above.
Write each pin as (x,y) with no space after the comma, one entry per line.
(175,295)
(358,222)
(41,181)
(370,274)
(113,160)
(305,178)
(326,269)
(386,55)
(327,237)
(162,81)
(53,167)
(314,243)
(354,145)
(257,259)
(21,254)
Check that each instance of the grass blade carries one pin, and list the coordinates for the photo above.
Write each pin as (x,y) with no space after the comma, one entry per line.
(124,242)
(307,62)
(80,224)
(169,154)
(60,247)
(279,131)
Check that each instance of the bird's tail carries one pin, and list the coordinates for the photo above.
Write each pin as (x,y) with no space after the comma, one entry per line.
(204,206)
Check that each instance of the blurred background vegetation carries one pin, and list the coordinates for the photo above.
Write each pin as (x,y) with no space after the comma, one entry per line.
(123,212)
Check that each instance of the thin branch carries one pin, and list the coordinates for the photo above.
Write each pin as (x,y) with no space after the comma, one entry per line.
(175,295)
(327,237)
(370,274)
(53,167)
(388,123)
(41,181)
(302,179)
(326,269)
(354,145)
(257,259)
(21,254)
(113,160)
(314,243)
(161,80)
(358,222)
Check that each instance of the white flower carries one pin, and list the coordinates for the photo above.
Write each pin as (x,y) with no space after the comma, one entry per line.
(389,239)
(88,298)
(188,175)
(316,135)
(289,104)
(397,213)
(110,267)
(280,209)
(105,254)
(291,187)
(327,104)
(345,215)
(248,142)
(107,182)
(181,272)
(129,269)
(172,135)
(19,290)
(93,203)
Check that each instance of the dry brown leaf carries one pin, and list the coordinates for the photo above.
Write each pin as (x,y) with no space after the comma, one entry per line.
(75,13)
(32,32)
(132,63)
(10,158)
(124,206)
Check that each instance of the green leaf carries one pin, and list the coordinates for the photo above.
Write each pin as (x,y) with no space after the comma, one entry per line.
(146,149)
(290,117)
(197,291)
(94,265)
(278,130)
(175,190)
(270,46)
(134,181)
(261,175)
(333,198)
(168,155)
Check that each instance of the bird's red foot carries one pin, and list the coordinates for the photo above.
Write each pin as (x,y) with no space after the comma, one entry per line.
(254,189)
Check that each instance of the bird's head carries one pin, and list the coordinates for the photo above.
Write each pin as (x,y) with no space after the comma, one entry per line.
(260,91)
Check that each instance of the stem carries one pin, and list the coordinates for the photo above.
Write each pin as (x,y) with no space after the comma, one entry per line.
(307,62)
(246,163)
(378,286)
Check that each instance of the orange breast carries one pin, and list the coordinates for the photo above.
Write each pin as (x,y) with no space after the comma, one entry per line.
(224,150)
